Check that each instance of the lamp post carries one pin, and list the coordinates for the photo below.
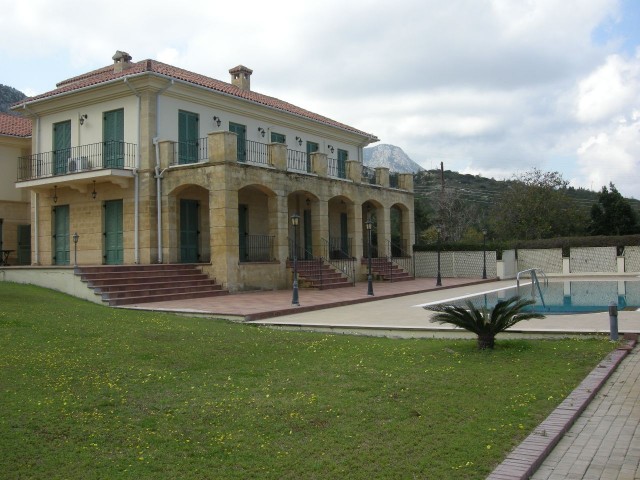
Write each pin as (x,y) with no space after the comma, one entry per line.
(484,254)
(369,225)
(295,221)
(76,237)
(438,277)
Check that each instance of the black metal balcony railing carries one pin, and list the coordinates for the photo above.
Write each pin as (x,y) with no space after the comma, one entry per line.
(190,152)
(339,247)
(258,153)
(393,180)
(298,161)
(256,248)
(96,156)
(368,175)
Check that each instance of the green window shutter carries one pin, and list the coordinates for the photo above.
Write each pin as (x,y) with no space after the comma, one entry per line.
(188,137)
(311,148)
(113,139)
(61,236)
(343,156)
(113,232)
(61,146)
(278,138)
(241,132)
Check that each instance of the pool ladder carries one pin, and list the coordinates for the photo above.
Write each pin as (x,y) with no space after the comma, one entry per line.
(533,273)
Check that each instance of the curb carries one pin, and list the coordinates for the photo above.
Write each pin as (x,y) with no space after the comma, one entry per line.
(527,457)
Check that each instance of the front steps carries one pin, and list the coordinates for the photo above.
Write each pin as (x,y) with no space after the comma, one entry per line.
(386,270)
(317,274)
(129,284)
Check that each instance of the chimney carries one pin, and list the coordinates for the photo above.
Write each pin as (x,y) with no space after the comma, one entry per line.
(241,77)
(121,61)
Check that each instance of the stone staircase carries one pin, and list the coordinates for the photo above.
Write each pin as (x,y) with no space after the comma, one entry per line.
(129,284)
(318,274)
(386,270)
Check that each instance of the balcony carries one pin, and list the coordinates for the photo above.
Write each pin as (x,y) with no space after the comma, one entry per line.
(94,160)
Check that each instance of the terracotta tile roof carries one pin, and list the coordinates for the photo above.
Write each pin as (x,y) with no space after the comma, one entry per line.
(107,74)
(14,126)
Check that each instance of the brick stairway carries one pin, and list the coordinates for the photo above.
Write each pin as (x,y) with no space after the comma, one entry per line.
(386,270)
(128,284)
(317,274)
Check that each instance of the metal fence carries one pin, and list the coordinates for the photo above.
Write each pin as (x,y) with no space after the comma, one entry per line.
(190,152)
(298,161)
(95,156)
(256,248)
(258,153)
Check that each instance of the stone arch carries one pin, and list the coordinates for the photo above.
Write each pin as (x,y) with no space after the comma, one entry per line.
(188,224)
(400,230)
(373,211)
(307,236)
(257,224)
(341,221)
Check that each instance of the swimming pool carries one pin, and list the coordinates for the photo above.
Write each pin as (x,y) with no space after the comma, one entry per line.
(564,297)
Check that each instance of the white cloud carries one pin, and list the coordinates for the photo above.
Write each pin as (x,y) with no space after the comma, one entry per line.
(493,86)
(610,90)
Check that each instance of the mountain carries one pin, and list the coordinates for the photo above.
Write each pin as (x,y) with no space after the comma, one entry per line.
(391,157)
(9,96)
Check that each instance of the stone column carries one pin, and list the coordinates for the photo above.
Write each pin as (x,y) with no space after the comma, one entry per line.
(278,156)
(383,216)
(354,171)
(320,225)
(223,217)
(279,227)
(382,176)
(405,181)
(223,147)
(320,164)
(167,149)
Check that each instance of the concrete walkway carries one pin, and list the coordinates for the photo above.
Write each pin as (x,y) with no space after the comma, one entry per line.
(593,434)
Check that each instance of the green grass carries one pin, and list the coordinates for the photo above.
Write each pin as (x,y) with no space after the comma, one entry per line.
(89,392)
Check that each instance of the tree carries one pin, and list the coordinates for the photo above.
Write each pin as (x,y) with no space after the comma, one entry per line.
(612,215)
(454,215)
(485,323)
(536,205)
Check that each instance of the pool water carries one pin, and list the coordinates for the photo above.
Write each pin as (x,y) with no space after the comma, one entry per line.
(566,297)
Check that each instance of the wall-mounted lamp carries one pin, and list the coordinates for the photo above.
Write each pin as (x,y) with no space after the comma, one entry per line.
(217,120)
(261,131)
(55,194)
(308,202)
(330,147)
(299,140)
(83,118)
(94,193)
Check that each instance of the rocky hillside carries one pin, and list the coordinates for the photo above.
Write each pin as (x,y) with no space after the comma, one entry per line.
(391,157)
(8,96)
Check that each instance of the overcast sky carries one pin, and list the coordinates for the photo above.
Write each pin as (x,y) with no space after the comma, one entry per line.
(490,87)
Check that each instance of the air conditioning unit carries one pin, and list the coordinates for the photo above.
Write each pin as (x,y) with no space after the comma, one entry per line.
(78,164)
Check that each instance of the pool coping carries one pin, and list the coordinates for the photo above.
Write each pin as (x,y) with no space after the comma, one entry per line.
(527,457)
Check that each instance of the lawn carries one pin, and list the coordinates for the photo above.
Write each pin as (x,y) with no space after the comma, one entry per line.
(90,392)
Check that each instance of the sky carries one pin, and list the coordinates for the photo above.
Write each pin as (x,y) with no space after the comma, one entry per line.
(488,87)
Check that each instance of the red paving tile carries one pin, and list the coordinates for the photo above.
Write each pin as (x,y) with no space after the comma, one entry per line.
(272,303)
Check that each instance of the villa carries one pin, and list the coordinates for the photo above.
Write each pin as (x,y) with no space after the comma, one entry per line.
(145,163)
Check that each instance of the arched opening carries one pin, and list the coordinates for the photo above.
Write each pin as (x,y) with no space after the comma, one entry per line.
(400,246)
(340,241)
(372,212)
(189,238)
(256,224)
(303,204)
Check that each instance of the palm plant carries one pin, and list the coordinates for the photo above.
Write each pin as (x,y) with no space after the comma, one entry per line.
(485,323)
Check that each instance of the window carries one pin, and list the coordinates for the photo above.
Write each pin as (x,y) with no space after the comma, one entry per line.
(187,137)
(241,132)
(278,138)
(343,156)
